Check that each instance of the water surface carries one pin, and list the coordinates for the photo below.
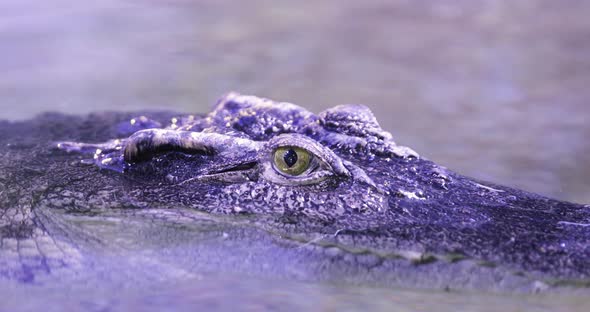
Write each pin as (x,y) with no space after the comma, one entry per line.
(492,89)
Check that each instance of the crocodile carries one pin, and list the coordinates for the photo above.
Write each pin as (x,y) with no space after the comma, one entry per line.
(270,189)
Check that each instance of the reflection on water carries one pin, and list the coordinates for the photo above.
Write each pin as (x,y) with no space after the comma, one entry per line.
(220,293)
(492,89)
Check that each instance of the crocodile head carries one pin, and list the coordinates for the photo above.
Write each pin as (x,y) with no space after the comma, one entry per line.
(336,181)
(254,156)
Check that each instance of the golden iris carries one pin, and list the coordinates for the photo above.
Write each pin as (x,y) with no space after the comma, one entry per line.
(292,160)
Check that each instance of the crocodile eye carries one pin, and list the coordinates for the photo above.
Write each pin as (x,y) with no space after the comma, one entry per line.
(292,160)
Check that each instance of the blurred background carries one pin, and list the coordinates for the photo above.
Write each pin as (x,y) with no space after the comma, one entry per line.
(498,90)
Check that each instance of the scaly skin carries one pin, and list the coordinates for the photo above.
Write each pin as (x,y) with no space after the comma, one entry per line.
(201,193)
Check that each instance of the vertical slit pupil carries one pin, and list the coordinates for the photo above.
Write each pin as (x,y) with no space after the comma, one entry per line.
(290,158)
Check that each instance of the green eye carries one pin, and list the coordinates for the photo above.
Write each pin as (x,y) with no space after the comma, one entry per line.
(292,160)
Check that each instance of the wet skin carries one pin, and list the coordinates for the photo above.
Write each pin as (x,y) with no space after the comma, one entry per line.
(331,195)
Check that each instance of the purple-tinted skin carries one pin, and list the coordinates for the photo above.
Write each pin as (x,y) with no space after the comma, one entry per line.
(369,212)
